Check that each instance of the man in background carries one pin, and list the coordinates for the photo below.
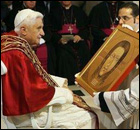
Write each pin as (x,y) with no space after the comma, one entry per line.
(124,104)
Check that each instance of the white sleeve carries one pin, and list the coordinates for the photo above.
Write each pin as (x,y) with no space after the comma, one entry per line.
(96,99)
(3,68)
(124,103)
(61,96)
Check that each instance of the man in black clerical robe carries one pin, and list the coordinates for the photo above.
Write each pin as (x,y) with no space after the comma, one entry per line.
(72,52)
(9,20)
(102,21)
(47,7)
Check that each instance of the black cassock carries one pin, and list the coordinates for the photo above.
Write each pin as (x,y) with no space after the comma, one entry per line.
(102,20)
(71,57)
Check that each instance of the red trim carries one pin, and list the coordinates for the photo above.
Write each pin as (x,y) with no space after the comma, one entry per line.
(10,33)
(117,84)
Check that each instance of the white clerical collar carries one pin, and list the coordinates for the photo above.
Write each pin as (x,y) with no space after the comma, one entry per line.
(67,8)
(42,41)
(10,7)
(127,26)
(113,3)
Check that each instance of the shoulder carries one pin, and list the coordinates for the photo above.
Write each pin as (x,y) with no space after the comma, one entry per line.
(12,55)
(13,12)
(120,3)
(98,8)
(12,33)
(14,59)
(76,8)
(78,11)
(100,5)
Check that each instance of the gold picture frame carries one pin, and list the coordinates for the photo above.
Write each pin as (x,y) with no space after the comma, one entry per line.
(112,63)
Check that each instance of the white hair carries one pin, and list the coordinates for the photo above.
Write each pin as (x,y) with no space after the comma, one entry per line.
(27,17)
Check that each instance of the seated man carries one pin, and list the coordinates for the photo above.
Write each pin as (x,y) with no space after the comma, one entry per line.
(69,24)
(30,95)
(102,20)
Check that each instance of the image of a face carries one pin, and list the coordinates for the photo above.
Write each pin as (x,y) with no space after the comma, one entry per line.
(35,32)
(30,4)
(112,60)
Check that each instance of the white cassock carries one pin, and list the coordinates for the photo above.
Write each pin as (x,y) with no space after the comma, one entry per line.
(123,104)
(63,115)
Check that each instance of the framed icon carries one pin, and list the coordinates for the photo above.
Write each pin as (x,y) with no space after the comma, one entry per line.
(112,63)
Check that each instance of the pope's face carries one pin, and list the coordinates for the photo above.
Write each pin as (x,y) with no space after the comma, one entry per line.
(35,32)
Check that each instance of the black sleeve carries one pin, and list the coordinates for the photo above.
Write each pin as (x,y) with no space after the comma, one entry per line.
(103,104)
(97,22)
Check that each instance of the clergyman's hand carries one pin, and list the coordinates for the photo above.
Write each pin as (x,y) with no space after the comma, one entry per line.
(63,41)
(76,75)
(77,39)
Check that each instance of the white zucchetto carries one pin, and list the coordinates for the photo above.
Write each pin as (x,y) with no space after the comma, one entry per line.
(23,14)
